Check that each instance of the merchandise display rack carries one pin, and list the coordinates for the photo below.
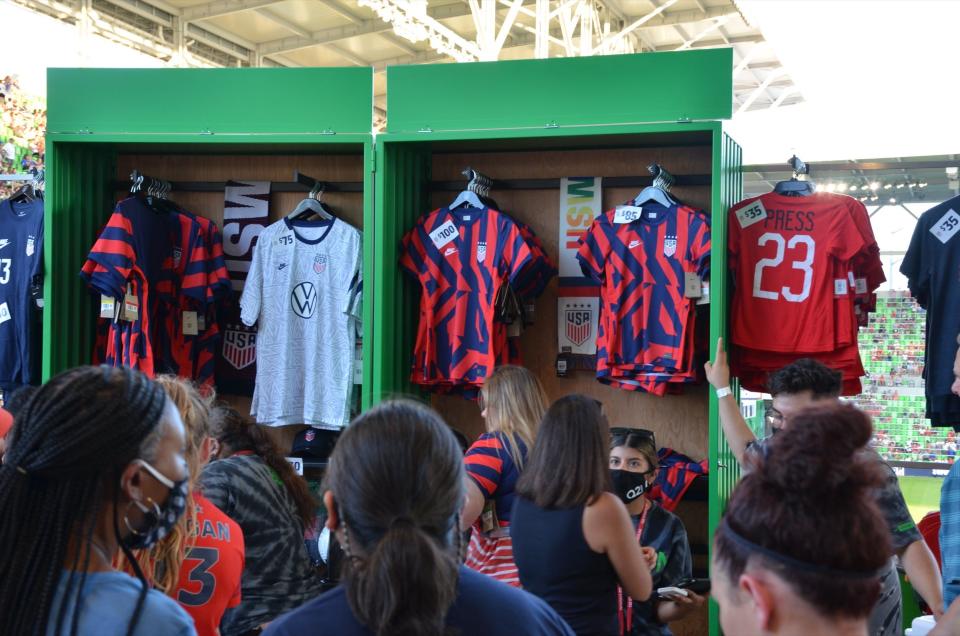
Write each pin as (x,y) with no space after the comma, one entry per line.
(196,128)
(548,119)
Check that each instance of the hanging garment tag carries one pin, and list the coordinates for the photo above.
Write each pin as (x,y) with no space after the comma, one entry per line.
(529,313)
(4,313)
(692,285)
(108,307)
(444,234)
(861,285)
(190,323)
(514,329)
(704,293)
(750,214)
(297,464)
(358,364)
(627,214)
(201,322)
(131,307)
(561,366)
(840,287)
(947,226)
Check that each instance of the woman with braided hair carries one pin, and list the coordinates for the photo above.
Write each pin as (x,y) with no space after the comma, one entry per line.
(393,490)
(95,465)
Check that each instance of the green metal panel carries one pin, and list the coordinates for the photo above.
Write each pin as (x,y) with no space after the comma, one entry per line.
(401,197)
(727,190)
(649,87)
(305,101)
(77,204)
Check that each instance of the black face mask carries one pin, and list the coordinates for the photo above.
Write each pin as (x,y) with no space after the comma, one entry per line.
(628,485)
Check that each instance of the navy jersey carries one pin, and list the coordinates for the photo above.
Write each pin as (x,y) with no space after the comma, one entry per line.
(932,266)
(21,264)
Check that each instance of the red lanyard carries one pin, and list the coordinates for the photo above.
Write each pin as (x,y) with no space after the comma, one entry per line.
(626,622)
(242,453)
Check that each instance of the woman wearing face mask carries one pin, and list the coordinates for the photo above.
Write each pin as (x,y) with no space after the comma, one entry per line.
(95,466)
(512,403)
(572,538)
(802,544)
(633,466)
(254,484)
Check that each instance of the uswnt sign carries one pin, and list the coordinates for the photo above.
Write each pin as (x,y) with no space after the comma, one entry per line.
(578,305)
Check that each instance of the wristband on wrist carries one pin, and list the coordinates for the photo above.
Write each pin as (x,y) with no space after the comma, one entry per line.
(724,392)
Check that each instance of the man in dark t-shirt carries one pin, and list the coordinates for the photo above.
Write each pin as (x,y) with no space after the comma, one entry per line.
(795,387)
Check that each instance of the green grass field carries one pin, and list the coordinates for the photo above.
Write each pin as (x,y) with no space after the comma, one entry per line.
(922,494)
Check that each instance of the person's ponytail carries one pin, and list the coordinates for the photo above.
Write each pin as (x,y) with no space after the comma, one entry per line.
(405,585)
(396,477)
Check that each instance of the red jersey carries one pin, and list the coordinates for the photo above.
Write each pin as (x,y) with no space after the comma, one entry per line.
(461,258)
(210,575)
(787,255)
(645,336)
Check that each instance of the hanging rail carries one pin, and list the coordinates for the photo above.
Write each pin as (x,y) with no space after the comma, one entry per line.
(304,185)
(553,184)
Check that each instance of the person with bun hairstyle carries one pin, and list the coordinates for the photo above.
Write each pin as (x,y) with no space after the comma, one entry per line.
(802,544)
(796,387)
(95,466)
(394,490)
(254,484)
(573,540)
(512,402)
(633,468)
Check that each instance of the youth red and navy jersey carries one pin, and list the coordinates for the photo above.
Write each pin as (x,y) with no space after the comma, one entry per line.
(641,263)
(535,277)
(461,258)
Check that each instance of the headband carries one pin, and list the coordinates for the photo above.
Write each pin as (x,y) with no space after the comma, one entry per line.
(790,562)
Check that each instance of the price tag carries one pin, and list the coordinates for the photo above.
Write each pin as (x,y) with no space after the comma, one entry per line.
(840,286)
(108,307)
(947,226)
(861,285)
(704,293)
(4,313)
(444,234)
(692,287)
(190,323)
(358,364)
(201,322)
(131,307)
(750,214)
(627,214)
(297,464)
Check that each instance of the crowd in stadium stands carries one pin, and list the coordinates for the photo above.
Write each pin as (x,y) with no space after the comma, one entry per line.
(892,348)
(23,122)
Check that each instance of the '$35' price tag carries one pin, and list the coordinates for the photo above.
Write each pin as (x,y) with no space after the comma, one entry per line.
(750,214)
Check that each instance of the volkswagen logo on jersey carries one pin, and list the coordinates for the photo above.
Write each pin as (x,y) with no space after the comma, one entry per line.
(320,263)
(303,300)
(670,246)
(579,323)
(481,251)
(239,347)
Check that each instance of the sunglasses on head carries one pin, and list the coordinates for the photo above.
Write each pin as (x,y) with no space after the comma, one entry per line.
(624,432)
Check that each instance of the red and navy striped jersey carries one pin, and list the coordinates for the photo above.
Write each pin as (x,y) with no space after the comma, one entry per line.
(461,258)
(645,335)
(490,465)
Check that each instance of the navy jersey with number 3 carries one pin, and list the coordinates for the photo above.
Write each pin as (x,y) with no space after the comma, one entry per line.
(21,262)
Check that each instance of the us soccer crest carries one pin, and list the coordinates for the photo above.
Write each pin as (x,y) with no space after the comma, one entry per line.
(30,246)
(579,323)
(239,347)
(669,245)
(481,251)
(320,263)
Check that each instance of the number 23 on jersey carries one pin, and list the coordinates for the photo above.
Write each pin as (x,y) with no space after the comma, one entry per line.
(800,249)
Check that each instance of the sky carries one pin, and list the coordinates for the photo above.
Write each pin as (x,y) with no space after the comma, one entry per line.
(24,54)
(879,78)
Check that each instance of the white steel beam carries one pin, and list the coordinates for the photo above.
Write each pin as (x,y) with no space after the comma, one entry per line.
(637,24)
(222,7)
(281,21)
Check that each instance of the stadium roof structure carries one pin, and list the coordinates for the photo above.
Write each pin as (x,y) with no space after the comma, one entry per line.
(380,33)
